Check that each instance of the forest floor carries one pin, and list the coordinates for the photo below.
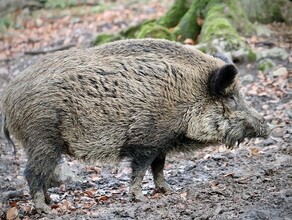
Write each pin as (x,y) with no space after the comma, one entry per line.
(253,181)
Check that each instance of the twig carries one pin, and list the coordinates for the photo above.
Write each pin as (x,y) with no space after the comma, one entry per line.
(36,52)
(12,194)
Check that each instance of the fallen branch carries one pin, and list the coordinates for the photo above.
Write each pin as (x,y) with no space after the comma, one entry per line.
(36,52)
(12,195)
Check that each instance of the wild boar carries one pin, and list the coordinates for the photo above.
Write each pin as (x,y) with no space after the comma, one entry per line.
(135,99)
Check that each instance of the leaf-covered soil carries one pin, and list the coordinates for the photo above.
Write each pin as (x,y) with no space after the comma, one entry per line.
(253,181)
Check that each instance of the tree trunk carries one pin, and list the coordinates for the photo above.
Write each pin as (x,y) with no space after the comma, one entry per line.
(188,26)
(174,14)
(208,21)
(268,11)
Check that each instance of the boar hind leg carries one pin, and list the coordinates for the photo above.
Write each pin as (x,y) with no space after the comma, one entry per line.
(42,160)
(157,171)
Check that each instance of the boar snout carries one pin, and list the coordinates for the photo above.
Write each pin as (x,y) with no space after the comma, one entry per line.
(259,126)
(249,124)
(264,129)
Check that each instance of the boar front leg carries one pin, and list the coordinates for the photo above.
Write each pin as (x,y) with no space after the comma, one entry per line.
(142,158)
(157,170)
(136,184)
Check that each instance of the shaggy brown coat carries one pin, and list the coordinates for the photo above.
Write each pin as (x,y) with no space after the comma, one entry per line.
(138,99)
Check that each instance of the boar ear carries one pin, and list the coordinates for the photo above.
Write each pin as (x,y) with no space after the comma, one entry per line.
(221,78)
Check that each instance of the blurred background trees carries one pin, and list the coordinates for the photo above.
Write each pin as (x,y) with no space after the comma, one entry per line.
(211,25)
(217,25)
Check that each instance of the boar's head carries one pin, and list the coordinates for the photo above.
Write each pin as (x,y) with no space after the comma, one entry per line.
(224,116)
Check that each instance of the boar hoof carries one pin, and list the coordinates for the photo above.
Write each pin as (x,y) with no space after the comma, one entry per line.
(40,205)
(48,200)
(163,189)
(42,208)
(138,197)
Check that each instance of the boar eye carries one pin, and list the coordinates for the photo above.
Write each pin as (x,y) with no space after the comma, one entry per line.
(233,101)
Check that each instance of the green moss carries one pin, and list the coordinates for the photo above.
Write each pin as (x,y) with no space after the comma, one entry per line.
(188,26)
(231,10)
(174,14)
(60,3)
(133,31)
(251,56)
(101,7)
(266,65)
(202,47)
(239,18)
(5,22)
(218,28)
(155,31)
(148,29)
(105,38)
(217,25)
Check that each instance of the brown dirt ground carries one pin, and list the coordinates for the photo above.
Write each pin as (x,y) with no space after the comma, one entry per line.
(253,181)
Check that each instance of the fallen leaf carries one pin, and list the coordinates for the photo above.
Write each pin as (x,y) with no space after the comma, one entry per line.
(156,196)
(89,193)
(12,214)
(242,180)
(254,151)
(183,195)
(282,71)
(66,204)
(55,206)
(103,198)
(214,185)
(229,174)
(87,206)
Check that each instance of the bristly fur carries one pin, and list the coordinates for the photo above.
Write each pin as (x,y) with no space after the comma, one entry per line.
(136,99)
(120,85)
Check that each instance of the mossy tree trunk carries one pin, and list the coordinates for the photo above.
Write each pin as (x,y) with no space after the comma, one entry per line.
(175,13)
(189,25)
(204,21)
(210,19)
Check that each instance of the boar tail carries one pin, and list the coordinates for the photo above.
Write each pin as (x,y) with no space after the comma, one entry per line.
(7,135)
